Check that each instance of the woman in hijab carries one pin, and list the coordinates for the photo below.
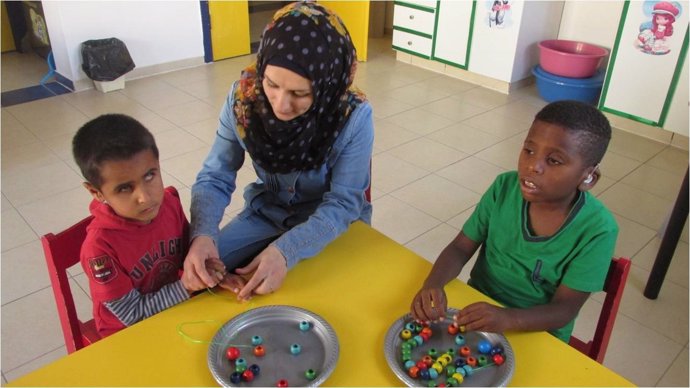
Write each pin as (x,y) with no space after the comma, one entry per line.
(309,135)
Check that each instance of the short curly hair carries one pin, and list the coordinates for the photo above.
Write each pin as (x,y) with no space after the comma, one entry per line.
(591,127)
(109,137)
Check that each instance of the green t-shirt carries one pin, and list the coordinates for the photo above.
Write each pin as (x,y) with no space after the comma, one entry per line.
(518,269)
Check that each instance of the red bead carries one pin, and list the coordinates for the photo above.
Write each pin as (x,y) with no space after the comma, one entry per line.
(425,336)
(259,351)
(233,353)
(421,365)
(282,383)
(498,359)
(471,361)
(413,372)
(428,360)
(464,351)
(426,330)
(453,329)
(247,375)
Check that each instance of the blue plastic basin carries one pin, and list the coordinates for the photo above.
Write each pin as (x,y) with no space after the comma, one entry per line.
(555,88)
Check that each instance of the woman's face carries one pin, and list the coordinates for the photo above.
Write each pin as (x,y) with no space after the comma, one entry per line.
(288,92)
(661,20)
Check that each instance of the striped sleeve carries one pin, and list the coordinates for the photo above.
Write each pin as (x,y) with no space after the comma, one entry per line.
(134,306)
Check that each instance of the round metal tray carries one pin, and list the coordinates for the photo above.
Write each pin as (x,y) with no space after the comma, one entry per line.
(489,376)
(279,328)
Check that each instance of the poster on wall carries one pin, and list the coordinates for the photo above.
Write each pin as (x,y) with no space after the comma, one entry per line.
(646,60)
(498,14)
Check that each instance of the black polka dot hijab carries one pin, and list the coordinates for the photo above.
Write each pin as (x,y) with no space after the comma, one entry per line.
(312,41)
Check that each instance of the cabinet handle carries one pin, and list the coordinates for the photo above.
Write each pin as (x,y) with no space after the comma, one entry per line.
(411,17)
(409,43)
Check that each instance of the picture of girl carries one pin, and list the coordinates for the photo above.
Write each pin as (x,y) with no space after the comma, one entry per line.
(653,34)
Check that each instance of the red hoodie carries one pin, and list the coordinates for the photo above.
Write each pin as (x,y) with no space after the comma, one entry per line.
(120,255)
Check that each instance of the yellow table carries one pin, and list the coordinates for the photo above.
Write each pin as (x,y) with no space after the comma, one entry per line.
(360,284)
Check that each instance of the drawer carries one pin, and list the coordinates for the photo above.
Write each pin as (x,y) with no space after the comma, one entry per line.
(414,19)
(406,41)
(421,3)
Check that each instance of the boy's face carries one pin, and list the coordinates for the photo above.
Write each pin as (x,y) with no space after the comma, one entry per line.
(132,187)
(550,167)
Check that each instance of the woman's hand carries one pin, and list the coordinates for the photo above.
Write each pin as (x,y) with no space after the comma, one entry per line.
(269,269)
(429,305)
(202,267)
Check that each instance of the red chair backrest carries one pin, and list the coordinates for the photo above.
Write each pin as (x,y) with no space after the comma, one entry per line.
(613,287)
(62,252)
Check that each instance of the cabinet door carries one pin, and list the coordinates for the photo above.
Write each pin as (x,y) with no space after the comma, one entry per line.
(645,65)
(453,32)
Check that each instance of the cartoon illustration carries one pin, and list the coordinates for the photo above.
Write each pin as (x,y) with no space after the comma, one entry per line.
(653,35)
(498,11)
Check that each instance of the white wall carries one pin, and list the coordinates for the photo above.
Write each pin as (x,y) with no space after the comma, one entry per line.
(543,19)
(155,32)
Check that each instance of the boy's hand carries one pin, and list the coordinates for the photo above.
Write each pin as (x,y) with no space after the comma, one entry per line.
(269,269)
(202,268)
(232,282)
(483,316)
(429,305)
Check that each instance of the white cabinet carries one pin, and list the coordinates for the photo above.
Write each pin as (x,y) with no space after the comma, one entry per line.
(413,27)
(453,28)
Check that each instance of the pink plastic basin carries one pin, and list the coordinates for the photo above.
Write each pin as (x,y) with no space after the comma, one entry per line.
(568,58)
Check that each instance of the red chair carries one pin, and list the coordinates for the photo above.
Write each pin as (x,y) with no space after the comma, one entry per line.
(613,287)
(62,252)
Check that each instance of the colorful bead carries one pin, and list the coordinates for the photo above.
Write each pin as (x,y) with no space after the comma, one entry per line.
(468,370)
(425,336)
(471,361)
(482,360)
(409,326)
(432,352)
(405,334)
(450,369)
(451,352)
(259,351)
(498,359)
(295,349)
(453,328)
(417,328)
(460,340)
(235,377)
(452,382)
(424,374)
(241,362)
(304,325)
(484,347)
(426,330)
(462,328)
(240,368)
(465,351)
(255,369)
(413,372)
(233,353)
(496,350)
(406,346)
(257,340)
(409,364)
(418,339)
(282,383)
(460,378)
(433,374)
(421,365)
(431,383)
(428,360)
(310,374)
(462,371)
(437,366)
(460,362)
(247,375)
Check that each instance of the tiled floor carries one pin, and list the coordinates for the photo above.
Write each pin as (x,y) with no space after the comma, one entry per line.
(439,143)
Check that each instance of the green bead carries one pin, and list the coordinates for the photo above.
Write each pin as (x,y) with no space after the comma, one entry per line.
(481,360)
(451,382)
(450,369)
(406,346)
(310,374)
(432,352)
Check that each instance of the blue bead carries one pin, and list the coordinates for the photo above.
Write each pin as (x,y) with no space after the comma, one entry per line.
(418,339)
(295,349)
(433,374)
(409,364)
(468,369)
(257,340)
(424,374)
(240,362)
(304,325)
(484,347)
(459,340)
(236,377)
(255,369)
(409,326)
(460,362)
(496,350)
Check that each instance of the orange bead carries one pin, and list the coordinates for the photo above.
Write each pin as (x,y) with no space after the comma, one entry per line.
(413,372)
(464,351)
(259,351)
(471,361)
(426,330)
(453,329)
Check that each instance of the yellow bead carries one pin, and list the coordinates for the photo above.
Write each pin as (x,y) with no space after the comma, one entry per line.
(458,376)
(437,366)
(406,334)
(462,328)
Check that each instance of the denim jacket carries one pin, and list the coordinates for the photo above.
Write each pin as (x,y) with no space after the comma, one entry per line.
(311,207)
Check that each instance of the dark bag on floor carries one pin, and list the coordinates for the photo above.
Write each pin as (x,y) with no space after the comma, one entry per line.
(105,59)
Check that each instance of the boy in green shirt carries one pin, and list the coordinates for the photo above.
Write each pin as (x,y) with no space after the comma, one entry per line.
(546,242)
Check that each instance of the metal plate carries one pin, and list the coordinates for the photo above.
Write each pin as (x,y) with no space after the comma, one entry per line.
(279,328)
(490,376)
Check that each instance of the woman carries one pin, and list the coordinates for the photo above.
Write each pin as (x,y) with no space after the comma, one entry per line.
(310,139)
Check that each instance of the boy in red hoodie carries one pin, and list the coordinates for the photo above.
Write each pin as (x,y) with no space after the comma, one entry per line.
(138,239)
